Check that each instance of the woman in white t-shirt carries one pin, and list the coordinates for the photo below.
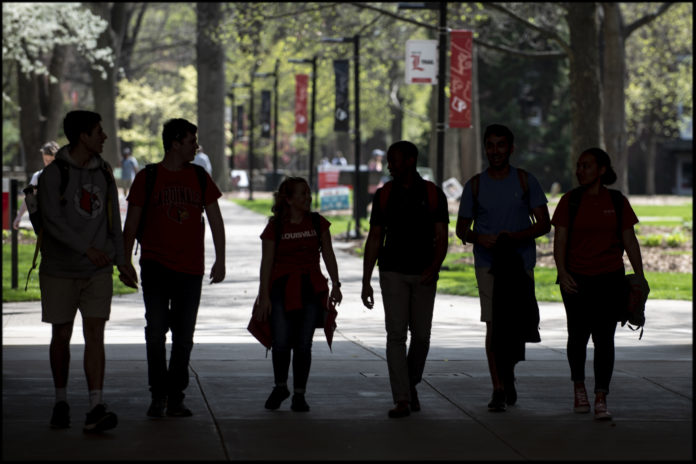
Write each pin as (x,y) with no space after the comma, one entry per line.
(48,152)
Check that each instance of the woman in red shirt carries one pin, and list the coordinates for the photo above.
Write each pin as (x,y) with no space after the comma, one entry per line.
(293,293)
(588,250)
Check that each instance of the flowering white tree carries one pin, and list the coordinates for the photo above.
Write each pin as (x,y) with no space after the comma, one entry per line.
(35,38)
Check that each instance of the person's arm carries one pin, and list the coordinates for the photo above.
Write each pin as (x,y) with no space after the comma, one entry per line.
(267,257)
(327,253)
(20,213)
(372,244)
(541,226)
(217,227)
(130,228)
(464,231)
(560,242)
(431,273)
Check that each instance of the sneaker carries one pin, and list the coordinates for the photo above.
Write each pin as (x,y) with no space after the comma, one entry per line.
(600,406)
(497,403)
(277,396)
(99,419)
(510,393)
(60,419)
(581,404)
(415,402)
(400,410)
(178,410)
(157,407)
(298,403)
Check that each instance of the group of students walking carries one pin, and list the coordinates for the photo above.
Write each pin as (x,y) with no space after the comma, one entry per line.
(407,239)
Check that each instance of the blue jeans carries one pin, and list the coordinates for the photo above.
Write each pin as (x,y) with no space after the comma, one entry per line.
(293,330)
(171,302)
(593,312)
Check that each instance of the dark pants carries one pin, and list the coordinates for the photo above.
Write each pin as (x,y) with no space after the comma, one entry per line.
(293,331)
(171,302)
(593,311)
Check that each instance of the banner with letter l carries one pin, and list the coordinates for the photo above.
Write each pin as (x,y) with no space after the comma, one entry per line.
(461,64)
(421,62)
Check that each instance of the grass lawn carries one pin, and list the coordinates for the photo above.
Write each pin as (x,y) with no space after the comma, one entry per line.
(25,254)
(459,279)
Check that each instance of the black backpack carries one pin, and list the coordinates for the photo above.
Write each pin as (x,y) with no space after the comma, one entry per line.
(150,177)
(32,202)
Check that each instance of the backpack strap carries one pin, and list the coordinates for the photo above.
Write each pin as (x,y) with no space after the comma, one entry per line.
(432,196)
(202,182)
(475,186)
(617,202)
(317,226)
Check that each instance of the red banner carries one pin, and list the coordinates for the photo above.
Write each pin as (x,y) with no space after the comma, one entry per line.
(461,64)
(301,81)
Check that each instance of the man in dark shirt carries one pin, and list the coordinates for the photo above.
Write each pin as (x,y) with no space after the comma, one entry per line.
(408,234)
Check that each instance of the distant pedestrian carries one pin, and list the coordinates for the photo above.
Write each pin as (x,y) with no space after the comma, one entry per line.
(129,168)
(294,297)
(593,226)
(172,259)
(408,235)
(203,160)
(81,243)
(48,153)
(499,201)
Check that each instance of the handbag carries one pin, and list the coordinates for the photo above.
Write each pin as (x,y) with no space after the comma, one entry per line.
(260,329)
(636,294)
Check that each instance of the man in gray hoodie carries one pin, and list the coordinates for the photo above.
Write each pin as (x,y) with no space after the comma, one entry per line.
(81,242)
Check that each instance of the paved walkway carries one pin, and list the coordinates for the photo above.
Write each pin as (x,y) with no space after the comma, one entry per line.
(348,391)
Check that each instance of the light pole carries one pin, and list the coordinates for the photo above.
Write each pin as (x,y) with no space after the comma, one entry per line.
(441,76)
(275,116)
(313,61)
(234,122)
(356,74)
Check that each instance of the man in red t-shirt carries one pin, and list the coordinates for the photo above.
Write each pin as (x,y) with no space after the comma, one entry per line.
(172,260)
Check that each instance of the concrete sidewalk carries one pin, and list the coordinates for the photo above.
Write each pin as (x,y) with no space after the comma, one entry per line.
(348,390)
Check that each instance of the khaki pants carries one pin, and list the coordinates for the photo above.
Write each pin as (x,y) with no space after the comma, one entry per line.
(408,306)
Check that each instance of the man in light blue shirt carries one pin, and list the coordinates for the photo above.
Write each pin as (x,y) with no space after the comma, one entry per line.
(499,201)
(202,160)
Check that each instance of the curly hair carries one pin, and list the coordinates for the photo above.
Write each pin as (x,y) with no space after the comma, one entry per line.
(286,189)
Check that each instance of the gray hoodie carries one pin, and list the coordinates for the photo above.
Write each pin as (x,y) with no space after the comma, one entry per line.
(81,222)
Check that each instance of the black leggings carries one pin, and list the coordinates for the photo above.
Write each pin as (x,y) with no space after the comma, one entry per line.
(593,311)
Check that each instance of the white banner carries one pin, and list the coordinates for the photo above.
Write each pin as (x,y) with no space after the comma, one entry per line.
(421,62)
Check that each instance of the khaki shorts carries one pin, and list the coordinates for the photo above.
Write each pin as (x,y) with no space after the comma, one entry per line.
(61,297)
(485,279)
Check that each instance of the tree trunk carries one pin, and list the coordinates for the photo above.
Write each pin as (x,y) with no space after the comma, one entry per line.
(585,87)
(104,89)
(650,158)
(54,109)
(29,117)
(210,61)
(613,85)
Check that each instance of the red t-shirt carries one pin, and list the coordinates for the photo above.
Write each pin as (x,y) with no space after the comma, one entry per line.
(594,247)
(299,245)
(173,235)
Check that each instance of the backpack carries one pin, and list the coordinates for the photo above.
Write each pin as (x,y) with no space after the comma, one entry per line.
(150,177)
(430,188)
(522,176)
(32,202)
(634,312)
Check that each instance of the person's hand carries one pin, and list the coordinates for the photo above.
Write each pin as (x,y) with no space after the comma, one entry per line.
(487,240)
(335,297)
(430,275)
(15,223)
(263,308)
(567,282)
(127,275)
(367,296)
(98,257)
(217,273)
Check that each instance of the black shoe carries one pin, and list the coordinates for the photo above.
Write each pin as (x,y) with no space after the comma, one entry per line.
(510,393)
(497,403)
(157,407)
(99,419)
(277,396)
(178,410)
(415,403)
(60,419)
(298,403)
(400,410)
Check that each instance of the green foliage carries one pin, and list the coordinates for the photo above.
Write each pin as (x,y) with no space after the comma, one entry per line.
(676,240)
(652,240)
(25,254)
